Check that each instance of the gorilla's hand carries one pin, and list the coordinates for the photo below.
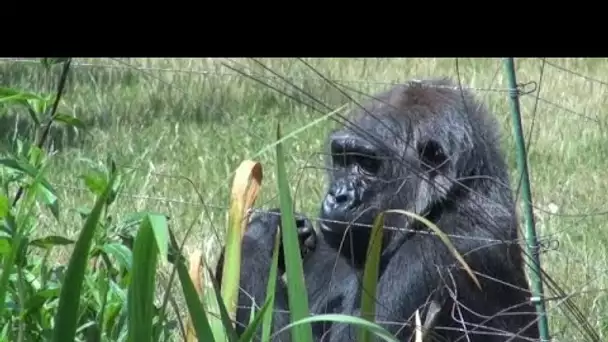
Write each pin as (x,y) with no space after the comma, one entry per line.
(263,228)
(306,234)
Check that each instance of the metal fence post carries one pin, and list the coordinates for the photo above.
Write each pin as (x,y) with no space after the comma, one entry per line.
(531,240)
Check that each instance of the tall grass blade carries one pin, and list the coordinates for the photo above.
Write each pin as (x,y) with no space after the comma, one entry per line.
(370,277)
(270,289)
(141,289)
(298,303)
(374,328)
(245,188)
(67,314)
(297,131)
(222,328)
(253,326)
(196,314)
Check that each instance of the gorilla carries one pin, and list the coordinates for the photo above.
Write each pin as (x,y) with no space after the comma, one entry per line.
(425,147)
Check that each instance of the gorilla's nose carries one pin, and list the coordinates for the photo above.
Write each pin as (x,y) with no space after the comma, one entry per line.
(340,198)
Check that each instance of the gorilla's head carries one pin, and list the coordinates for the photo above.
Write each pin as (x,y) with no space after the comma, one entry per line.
(405,149)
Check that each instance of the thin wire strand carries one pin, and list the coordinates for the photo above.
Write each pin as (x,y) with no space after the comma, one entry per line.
(316,219)
(576,73)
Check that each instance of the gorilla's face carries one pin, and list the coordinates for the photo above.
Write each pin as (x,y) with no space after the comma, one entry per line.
(388,167)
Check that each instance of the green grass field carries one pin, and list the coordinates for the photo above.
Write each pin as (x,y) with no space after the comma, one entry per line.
(174,122)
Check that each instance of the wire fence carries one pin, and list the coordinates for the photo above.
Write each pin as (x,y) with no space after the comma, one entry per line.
(123,66)
(561,230)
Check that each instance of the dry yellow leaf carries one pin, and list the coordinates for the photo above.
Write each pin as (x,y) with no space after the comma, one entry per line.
(195,263)
(245,188)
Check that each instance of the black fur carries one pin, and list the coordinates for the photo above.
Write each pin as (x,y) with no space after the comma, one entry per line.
(428,148)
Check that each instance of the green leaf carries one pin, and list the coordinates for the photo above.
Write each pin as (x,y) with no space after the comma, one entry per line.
(32,112)
(161,233)
(11,260)
(96,181)
(133,219)
(298,304)
(39,106)
(14,95)
(50,241)
(35,155)
(370,277)
(13,164)
(4,333)
(66,318)
(121,253)
(47,197)
(5,246)
(26,168)
(5,206)
(141,290)
(69,120)
(35,302)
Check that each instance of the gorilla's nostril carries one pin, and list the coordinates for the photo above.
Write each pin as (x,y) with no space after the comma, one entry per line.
(345,199)
(340,199)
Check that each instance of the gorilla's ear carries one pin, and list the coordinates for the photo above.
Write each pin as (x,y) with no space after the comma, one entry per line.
(432,155)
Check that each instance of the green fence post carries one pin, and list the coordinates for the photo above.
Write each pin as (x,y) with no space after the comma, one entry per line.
(531,240)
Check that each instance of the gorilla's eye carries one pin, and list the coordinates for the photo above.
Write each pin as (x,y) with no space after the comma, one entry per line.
(369,163)
(431,154)
(348,151)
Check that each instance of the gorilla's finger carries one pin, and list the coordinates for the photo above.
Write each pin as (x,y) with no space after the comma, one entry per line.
(311,242)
